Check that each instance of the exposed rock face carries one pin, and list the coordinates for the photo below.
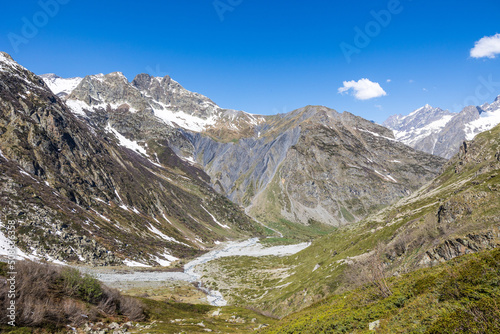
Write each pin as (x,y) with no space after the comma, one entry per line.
(112,88)
(321,165)
(341,169)
(170,93)
(457,213)
(124,202)
(441,132)
(460,246)
(162,97)
(237,168)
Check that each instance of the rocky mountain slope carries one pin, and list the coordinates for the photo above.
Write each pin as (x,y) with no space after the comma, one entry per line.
(441,132)
(340,169)
(458,213)
(455,216)
(81,192)
(309,165)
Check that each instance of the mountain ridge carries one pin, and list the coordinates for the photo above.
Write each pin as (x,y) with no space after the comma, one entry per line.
(130,205)
(243,153)
(440,132)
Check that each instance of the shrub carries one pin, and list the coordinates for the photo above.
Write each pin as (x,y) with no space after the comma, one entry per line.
(51,296)
(84,286)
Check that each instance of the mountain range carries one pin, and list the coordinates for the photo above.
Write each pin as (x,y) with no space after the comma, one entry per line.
(455,215)
(122,162)
(79,194)
(428,263)
(251,158)
(441,132)
(105,171)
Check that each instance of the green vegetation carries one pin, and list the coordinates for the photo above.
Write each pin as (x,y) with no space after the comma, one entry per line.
(50,298)
(172,317)
(456,214)
(84,287)
(347,215)
(459,296)
(300,232)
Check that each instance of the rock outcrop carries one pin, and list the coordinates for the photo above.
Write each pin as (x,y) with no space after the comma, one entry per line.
(452,248)
(99,185)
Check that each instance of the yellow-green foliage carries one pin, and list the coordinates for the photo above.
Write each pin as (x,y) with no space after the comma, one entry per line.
(460,296)
(399,236)
(172,317)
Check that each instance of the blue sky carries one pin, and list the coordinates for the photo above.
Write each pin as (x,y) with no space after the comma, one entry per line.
(268,57)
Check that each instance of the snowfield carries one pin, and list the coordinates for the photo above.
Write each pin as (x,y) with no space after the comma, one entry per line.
(126,142)
(61,85)
(6,246)
(182,118)
(487,122)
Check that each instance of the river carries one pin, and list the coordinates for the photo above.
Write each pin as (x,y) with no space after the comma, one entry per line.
(250,247)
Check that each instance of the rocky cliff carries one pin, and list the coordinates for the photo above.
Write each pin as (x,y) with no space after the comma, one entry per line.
(341,168)
(309,165)
(79,190)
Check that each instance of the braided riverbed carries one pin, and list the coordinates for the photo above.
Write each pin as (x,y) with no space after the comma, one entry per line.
(250,247)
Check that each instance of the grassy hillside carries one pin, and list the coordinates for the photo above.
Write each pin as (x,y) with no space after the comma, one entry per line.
(456,214)
(459,296)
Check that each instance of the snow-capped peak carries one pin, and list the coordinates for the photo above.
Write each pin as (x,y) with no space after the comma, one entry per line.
(6,62)
(6,58)
(427,107)
(60,86)
(119,75)
(440,132)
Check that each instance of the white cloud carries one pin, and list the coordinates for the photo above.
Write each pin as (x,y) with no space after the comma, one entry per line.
(364,89)
(411,81)
(488,46)
(389,80)
(379,107)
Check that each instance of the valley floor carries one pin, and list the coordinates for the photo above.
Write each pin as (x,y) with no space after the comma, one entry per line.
(184,285)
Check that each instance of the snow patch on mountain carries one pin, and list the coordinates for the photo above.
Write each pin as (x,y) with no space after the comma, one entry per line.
(487,121)
(130,263)
(8,248)
(164,259)
(60,86)
(163,235)
(3,156)
(386,177)
(375,134)
(215,220)
(440,132)
(126,142)
(182,119)
(78,107)
(6,62)
(415,134)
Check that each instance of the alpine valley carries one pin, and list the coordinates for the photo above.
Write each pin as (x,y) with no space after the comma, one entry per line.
(304,222)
